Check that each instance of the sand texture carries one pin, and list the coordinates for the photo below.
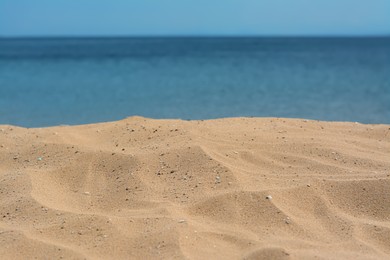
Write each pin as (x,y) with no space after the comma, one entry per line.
(240,188)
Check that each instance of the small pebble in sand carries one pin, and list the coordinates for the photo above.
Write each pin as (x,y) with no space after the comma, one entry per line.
(39,158)
(181,221)
(87,193)
(308,185)
(269,197)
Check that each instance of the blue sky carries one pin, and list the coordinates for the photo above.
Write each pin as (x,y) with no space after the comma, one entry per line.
(194,17)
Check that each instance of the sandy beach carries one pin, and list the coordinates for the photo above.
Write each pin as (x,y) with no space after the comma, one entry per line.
(239,188)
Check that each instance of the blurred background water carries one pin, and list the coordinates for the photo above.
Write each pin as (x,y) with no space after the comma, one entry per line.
(51,81)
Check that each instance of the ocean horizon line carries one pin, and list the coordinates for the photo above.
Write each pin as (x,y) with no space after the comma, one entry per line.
(199,36)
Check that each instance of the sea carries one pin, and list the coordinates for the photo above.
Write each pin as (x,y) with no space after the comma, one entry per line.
(68,81)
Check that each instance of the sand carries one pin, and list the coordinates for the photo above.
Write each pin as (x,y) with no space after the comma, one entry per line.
(240,188)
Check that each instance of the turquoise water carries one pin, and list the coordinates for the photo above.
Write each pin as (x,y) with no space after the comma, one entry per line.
(47,82)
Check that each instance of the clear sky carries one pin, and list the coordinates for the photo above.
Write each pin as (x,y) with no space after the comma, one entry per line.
(194,17)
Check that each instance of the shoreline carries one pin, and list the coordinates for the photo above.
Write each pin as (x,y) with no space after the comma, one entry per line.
(136,117)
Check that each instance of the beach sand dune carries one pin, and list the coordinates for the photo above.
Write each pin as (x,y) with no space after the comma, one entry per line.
(239,188)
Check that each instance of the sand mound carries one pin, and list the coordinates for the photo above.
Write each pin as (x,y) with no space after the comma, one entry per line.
(220,189)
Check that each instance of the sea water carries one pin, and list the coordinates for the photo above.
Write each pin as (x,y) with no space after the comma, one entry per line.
(52,81)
